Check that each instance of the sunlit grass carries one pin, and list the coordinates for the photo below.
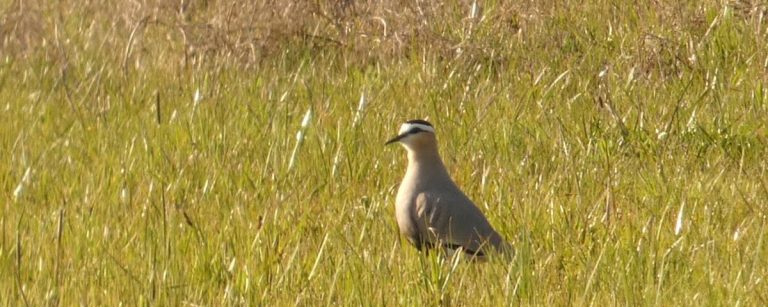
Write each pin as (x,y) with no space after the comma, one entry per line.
(619,147)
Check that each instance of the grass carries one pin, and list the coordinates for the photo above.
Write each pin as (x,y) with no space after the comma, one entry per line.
(620,147)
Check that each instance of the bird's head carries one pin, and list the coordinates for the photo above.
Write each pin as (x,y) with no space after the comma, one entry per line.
(414,134)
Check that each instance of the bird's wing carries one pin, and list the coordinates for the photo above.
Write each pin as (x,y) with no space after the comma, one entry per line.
(452,220)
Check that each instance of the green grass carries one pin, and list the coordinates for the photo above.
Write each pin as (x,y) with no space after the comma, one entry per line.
(620,147)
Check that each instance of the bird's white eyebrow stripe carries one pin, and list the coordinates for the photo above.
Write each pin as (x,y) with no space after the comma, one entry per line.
(408,126)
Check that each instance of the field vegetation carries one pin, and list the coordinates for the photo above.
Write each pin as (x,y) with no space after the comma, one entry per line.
(203,152)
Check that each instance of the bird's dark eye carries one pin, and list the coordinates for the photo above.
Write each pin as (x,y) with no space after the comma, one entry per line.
(415,130)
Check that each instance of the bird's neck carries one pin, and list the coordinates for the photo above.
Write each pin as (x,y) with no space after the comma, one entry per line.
(427,160)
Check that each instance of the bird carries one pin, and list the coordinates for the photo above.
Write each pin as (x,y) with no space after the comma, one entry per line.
(431,210)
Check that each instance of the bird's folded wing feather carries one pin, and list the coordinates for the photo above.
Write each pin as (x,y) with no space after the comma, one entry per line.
(452,220)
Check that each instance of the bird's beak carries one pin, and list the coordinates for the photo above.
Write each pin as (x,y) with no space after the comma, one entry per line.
(396,139)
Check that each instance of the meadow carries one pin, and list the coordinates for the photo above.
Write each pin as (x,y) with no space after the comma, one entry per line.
(193,152)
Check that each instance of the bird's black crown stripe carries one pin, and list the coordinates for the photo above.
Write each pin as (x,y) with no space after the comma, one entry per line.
(419,121)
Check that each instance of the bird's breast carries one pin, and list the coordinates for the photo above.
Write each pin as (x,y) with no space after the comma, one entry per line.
(405,210)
